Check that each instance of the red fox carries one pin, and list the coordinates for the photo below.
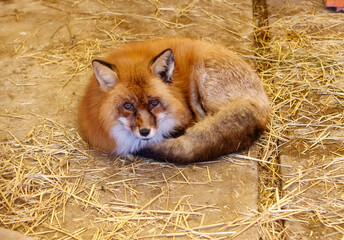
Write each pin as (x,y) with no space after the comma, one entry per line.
(176,100)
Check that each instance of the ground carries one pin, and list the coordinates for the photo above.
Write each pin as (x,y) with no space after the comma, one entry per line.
(288,185)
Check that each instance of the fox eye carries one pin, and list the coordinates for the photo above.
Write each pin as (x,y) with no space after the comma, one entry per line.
(154,103)
(128,106)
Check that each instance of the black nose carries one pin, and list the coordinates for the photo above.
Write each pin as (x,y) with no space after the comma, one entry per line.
(144,132)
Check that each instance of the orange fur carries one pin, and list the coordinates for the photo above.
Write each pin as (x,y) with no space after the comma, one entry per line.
(207,91)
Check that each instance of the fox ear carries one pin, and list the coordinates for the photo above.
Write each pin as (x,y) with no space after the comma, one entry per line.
(163,65)
(104,73)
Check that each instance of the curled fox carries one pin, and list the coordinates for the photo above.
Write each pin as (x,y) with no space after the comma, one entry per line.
(178,100)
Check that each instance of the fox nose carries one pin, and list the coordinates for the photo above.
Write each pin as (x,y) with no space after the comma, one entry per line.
(144,132)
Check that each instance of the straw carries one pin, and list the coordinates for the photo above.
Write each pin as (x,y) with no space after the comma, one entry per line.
(48,175)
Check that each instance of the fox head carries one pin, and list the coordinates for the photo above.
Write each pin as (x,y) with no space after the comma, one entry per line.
(140,102)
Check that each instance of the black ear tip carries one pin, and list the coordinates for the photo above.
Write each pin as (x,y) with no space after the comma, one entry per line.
(95,63)
(170,52)
(167,53)
(109,65)
(96,60)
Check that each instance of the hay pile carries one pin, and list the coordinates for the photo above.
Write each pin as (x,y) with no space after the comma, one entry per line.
(301,61)
(36,176)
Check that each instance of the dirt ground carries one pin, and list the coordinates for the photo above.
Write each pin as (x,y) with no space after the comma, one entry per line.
(287,186)
(46,50)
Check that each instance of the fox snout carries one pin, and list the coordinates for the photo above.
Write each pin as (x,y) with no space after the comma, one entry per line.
(144,125)
(144,133)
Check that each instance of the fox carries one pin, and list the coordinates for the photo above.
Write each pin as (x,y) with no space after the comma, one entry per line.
(178,100)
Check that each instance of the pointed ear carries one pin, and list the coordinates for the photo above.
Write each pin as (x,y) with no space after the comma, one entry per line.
(163,65)
(105,74)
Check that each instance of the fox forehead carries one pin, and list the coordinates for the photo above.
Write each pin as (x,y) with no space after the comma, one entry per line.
(134,73)
(137,91)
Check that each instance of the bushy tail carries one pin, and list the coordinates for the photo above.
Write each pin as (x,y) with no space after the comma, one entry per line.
(232,128)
